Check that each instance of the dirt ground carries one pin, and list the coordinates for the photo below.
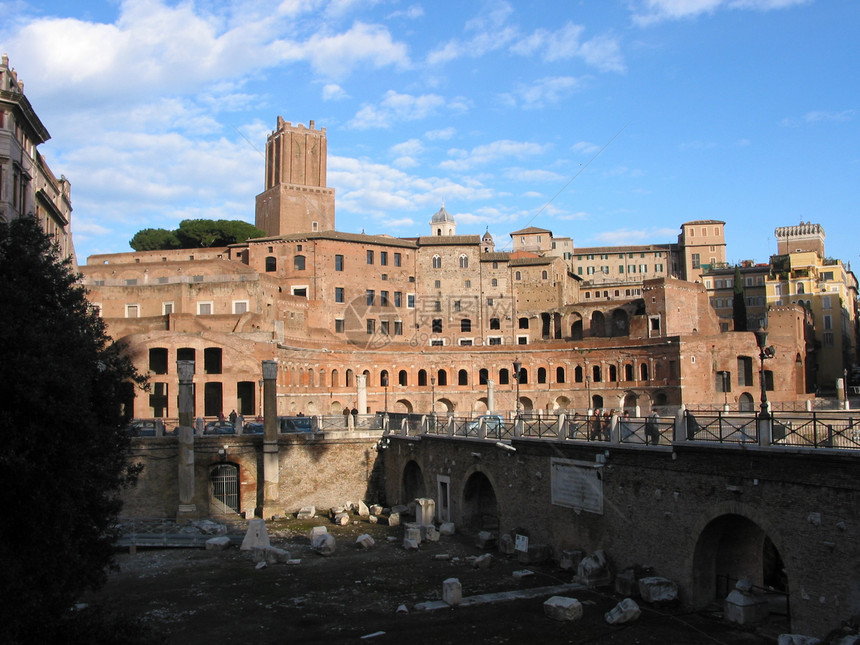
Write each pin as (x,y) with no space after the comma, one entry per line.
(196,597)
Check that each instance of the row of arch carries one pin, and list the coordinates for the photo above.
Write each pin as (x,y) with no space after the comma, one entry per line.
(443,377)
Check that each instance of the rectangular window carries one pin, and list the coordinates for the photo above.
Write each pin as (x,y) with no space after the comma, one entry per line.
(658,268)
(166,308)
(522,340)
(132,311)
(825,302)
(371,294)
(696,261)
(436,327)
(398,299)
(397,259)
(436,342)
(631,268)
(383,327)
(240,306)
(828,322)
(383,298)
(338,325)
(383,258)
(371,325)
(204,308)
(745,371)
(338,263)
(370,257)
(130,283)
(398,327)
(643,268)
(495,340)
(410,300)
(338,294)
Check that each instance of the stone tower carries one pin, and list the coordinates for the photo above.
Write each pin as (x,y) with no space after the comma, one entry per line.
(296,198)
(797,239)
(442,223)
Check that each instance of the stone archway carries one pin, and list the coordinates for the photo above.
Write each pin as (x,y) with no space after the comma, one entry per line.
(480,506)
(731,546)
(480,406)
(746,403)
(561,404)
(403,406)
(444,406)
(412,483)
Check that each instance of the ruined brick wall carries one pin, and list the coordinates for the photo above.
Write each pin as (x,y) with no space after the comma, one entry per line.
(322,473)
(661,507)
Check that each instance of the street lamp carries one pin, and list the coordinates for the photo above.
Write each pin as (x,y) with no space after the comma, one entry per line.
(260,382)
(385,386)
(433,395)
(764,352)
(724,376)
(517,367)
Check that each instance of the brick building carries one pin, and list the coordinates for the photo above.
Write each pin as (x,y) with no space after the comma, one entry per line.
(433,321)
(27,185)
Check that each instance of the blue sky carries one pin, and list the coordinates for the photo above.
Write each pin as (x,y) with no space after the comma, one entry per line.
(610,122)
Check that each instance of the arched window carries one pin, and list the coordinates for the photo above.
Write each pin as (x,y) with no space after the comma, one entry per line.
(402,378)
(613,373)
(437,262)
(464,261)
(643,372)
(523,323)
(383,378)
(541,375)
(271,264)
(524,376)
(595,373)
(494,282)
(577,374)
(559,375)
(299,263)
(504,376)
(483,376)
(466,325)
(422,378)
(628,372)
(462,377)
(518,276)
(442,378)
(349,381)
(544,275)
(334,379)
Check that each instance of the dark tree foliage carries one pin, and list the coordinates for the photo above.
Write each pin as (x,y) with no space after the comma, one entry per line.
(154,239)
(64,455)
(739,305)
(195,234)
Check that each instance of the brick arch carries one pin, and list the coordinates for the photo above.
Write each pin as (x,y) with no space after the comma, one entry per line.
(469,508)
(699,577)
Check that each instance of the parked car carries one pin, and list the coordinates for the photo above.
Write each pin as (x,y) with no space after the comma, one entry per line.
(296,424)
(253,427)
(219,427)
(492,423)
(141,428)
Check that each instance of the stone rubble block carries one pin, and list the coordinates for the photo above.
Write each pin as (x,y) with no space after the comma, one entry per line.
(536,554)
(270,555)
(446,528)
(324,544)
(410,545)
(401,609)
(342,519)
(656,589)
(563,608)
(452,592)
(365,541)
(624,612)
(376,510)
(316,532)
(797,639)
(522,574)
(507,545)
(363,510)
(217,543)
(483,561)
(256,536)
(429,533)
(593,571)
(626,583)
(442,556)
(425,510)
(394,519)
(570,559)
(373,519)
(306,513)
(485,540)
(744,607)
(294,561)
(261,565)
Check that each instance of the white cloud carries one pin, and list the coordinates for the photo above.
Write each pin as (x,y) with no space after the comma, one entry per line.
(333,92)
(602,52)
(579,215)
(532,175)
(443,134)
(504,149)
(647,12)
(413,12)
(544,91)
(585,148)
(396,107)
(410,147)
(337,55)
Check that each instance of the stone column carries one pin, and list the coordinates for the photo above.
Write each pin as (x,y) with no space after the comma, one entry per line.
(185,431)
(361,393)
(271,477)
(491,396)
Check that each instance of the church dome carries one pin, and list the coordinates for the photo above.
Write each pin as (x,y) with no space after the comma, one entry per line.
(442,216)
